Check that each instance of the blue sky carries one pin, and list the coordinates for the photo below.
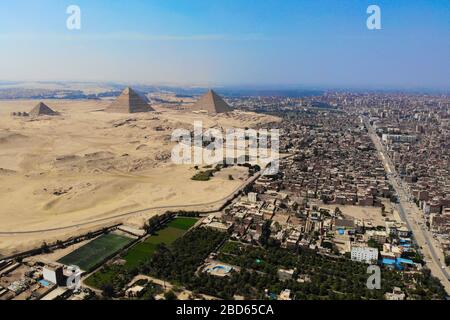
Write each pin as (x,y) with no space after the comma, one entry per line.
(229,42)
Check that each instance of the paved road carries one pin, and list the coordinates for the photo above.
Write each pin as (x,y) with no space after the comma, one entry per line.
(420,234)
(422,230)
(132,213)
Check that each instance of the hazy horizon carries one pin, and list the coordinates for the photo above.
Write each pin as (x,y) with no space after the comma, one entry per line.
(227,89)
(310,44)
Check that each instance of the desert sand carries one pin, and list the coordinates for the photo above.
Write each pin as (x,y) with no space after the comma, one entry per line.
(371,216)
(86,164)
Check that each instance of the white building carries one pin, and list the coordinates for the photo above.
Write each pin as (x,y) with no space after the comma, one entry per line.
(252,197)
(285,295)
(390,138)
(364,254)
(54,274)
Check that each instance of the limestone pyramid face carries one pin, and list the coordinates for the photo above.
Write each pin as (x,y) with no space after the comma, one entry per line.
(212,103)
(41,109)
(130,102)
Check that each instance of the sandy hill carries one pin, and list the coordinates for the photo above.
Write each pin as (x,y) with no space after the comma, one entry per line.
(89,164)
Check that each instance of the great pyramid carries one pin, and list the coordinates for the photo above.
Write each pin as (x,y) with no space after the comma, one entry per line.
(41,109)
(211,102)
(130,102)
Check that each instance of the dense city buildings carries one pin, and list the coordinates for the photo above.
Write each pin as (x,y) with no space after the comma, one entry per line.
(362,180)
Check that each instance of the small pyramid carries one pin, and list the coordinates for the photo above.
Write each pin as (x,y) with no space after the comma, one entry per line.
(212,103)
(130,102)
(41,109)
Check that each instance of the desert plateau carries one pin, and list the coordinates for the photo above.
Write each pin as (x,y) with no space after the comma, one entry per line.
(85,167)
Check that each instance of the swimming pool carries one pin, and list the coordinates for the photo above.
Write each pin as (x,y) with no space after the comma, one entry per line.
(222,268)
(44,283)
(219,269)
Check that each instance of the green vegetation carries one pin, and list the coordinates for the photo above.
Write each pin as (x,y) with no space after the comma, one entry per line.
(157,222)
(208,174)
(170,295)
(141,282)
(374,244)
(45,248)
(203,175)
(151,290)
(92,254)
(330,278)
(144,250)
(182,223)
(252,169)
(183,213)
(179,262)
(232,247)
(112,278)
(415,256)
(447,260)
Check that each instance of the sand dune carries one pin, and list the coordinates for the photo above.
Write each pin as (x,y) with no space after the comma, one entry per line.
(86,164)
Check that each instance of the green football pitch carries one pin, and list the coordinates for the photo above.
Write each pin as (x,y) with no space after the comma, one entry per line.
(144,250)
(92,254)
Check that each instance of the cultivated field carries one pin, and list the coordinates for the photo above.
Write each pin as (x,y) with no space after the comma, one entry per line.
(144,250)
(182,223)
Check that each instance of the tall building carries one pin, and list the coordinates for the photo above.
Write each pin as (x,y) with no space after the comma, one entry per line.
(252,197)
(364,254)
(54,274)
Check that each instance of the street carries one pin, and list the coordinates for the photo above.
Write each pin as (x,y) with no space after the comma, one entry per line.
(411,215)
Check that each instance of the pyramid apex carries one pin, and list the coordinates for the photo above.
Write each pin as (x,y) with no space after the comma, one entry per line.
(42,109)
(130,101)
(127,90)
(212,103)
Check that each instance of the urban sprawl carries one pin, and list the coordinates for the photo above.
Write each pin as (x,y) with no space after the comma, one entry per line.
(363,180)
